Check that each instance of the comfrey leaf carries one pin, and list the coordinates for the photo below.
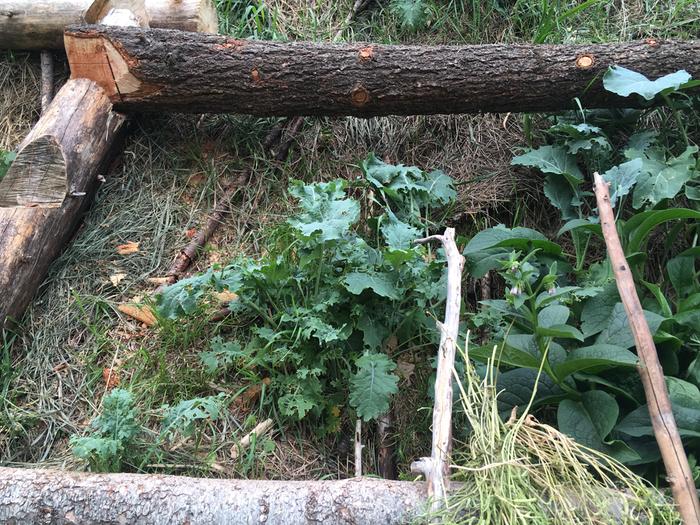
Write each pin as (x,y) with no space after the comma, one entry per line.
(326,210)
(625,82)
(372,385)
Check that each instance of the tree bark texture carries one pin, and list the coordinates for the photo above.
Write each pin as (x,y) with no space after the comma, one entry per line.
(155,70)
(51,496)
(49,185)
(39,24)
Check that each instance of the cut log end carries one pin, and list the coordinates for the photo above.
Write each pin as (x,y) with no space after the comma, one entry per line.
(37,177)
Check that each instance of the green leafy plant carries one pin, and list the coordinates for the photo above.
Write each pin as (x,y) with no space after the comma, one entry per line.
(342,277)
(412,14)
(563,314)
(114,432)
(6,158)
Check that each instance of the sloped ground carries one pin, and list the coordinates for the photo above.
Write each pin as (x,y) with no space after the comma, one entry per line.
(172,174)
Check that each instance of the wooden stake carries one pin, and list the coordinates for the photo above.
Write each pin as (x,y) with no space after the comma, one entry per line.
(436,468)
(665,430)
(358,448)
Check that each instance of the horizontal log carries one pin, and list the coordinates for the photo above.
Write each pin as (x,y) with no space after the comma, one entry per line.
(51,496)
(155,70)
(49,185)
(39,24)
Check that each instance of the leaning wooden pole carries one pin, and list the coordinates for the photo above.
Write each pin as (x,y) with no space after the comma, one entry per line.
(158,70)
(28,24)
(663,422)
(436,468)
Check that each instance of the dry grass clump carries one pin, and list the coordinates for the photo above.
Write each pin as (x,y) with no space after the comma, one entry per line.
(522,472)
(19,101)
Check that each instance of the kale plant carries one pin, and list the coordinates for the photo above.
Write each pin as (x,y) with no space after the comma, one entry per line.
(341,278)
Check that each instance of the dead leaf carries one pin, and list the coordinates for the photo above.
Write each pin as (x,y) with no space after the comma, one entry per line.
(191,233)
(250,395)
(391,344)
(116,278)
(225,297)
(111,378)
(128,248)
(405,369)
(143,314)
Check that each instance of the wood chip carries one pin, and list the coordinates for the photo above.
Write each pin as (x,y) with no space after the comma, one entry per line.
(143,314)
(128,248)
(158,280)
(259,430)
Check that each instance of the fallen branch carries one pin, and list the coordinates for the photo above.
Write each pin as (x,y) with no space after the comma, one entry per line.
(190,253)
(436,468)
(663,422)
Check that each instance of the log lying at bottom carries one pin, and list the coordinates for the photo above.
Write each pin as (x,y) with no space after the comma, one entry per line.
(34,496)
(156,69)
(49,185)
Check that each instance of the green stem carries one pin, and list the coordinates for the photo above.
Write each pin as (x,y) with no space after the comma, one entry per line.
(679,120)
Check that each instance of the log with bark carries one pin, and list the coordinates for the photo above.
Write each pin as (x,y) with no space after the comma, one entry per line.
(39,24)
(51,496)
(50,184)
(155,70)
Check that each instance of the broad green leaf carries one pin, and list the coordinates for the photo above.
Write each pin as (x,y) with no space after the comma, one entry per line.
(617,332)
(692,192)
(683,393)
(681,273)
(516,387)
(660,298)
(590,420)
(372,385)
(625,82)
(595,358)
(639,226)
(518,350)
(182,298)
(398,234)
(560,194)
(557,294)
(326,210)
(622,178)
(515,238)
(576,224)
(411,13)
(373,330)
(551,159)
(638,423)
(552,315)
(183,416)
(694,372)
(440,187)
(561,330)
(655,185)
(380,283)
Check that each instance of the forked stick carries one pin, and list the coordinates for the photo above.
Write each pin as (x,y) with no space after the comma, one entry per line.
(665,430)
(436,468)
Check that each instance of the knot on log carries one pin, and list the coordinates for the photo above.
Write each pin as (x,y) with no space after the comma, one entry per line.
(360,96)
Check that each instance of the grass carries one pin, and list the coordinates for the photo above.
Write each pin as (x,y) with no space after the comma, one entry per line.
(172,172)
(518,471)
